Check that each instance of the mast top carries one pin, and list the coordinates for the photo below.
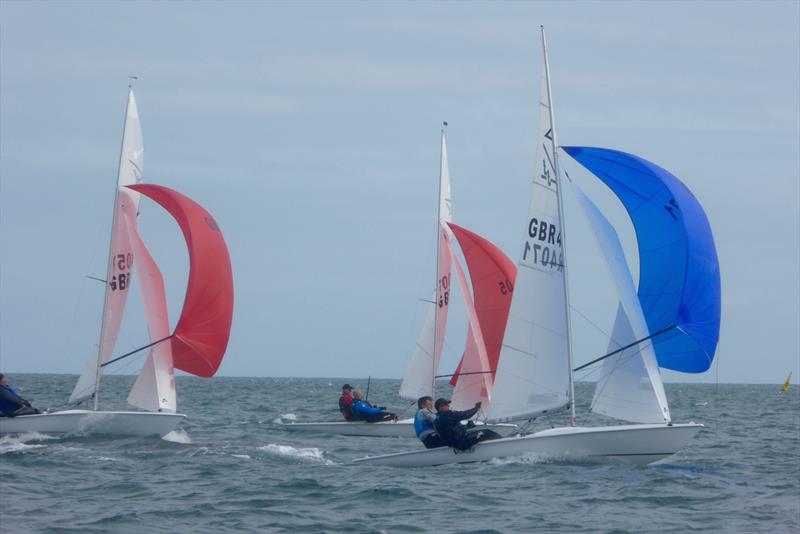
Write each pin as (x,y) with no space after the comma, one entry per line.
(131,80)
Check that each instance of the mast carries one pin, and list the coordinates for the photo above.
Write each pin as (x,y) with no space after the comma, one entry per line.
(561,224)
(438,251)
(109,260)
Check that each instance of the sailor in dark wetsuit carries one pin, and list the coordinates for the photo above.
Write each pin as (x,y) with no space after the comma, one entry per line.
(453,433)
(364,411)
(11,404)
(346,402)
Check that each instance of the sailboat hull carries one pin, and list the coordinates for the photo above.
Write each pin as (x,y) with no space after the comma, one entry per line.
(404,428)
(639,444)
(83,422)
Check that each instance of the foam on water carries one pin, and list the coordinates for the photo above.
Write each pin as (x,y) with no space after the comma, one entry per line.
(177,436)
(20,442)
(285,417)
(529,458)
(312,454)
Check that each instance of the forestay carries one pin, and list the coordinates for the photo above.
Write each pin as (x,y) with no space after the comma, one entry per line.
(533,374)
(679,279)
(419,377)
(630,386)
(120,255)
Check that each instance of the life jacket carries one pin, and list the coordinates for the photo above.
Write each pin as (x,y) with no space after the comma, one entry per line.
(346,406)
(422,426)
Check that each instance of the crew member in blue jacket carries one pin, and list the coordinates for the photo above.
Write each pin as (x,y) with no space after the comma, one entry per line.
(11,404)
(364,411)
(423,424)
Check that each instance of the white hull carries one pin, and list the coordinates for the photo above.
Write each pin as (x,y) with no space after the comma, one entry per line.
(640,444)
(91,422)
(403,428)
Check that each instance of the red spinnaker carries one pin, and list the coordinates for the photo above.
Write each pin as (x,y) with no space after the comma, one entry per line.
(203,330)
(492,274)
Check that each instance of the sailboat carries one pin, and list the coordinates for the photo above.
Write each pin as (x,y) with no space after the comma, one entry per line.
(788,384)
(198,343)
(671,321)
(473,376)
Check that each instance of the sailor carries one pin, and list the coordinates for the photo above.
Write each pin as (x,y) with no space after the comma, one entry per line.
(346,402)
(11,404)
(423,424)
(364,411)
(453,433)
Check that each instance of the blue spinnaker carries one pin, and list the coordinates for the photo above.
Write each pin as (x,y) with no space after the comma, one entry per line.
(679,282)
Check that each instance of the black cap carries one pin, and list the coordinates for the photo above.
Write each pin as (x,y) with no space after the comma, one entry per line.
(441,402)
(347,386)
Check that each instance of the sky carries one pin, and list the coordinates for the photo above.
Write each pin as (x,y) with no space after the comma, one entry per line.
(311,132)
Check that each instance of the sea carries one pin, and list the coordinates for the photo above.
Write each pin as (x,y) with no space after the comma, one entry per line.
(232,467)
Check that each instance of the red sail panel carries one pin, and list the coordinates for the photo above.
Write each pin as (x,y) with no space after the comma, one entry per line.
(203,330)
(492,274)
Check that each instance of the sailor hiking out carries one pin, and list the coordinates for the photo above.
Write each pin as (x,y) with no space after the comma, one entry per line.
(423,424)
(453,433)
(346,402)
(11,404)
(363,411)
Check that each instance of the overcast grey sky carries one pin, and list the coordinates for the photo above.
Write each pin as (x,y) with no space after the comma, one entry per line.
(310,131)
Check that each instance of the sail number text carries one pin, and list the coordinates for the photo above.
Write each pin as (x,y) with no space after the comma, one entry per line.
(444,291)
(121,271)
(540,247)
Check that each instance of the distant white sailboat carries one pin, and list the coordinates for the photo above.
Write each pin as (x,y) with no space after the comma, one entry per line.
(198,343)
(473,378)
(672,321)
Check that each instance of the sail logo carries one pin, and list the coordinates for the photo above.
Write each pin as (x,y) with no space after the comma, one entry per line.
(547,176)
(672,208)
(137,171)
(211,223)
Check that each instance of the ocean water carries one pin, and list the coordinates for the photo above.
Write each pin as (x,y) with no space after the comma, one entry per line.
(231,467)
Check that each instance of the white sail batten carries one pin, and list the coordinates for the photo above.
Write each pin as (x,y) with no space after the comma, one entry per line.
(120,255)
(533,375)
(630,387)
(154,389)
(419,377)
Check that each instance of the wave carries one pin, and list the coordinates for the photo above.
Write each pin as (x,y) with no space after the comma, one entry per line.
(528,458)
(312,454)
(18,443)
(285,417)
(177,436)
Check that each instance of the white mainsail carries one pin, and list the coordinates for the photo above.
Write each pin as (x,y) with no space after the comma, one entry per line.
(419,377)
(630,387)
(154,389)
(120,257)
(533,373)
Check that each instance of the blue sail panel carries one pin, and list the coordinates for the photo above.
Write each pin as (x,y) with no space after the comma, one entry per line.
(679,280)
